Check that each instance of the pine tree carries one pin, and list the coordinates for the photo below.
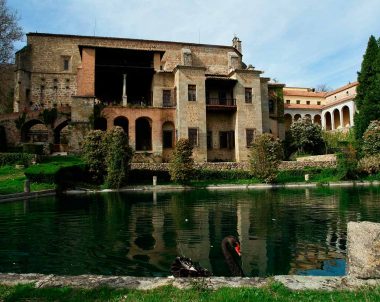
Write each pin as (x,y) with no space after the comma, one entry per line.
(368,91)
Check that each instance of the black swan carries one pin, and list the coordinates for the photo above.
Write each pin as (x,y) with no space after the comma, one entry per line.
(185,267)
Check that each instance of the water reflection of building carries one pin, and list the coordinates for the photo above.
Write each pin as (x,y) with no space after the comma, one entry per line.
(277,235)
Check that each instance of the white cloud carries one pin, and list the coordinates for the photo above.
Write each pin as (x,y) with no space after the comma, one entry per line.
(300,42)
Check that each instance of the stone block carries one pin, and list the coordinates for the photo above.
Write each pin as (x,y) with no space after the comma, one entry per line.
(363,246)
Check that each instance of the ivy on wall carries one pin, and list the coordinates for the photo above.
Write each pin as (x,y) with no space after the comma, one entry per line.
(276,94)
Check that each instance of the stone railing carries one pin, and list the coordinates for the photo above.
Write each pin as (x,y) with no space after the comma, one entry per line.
(285,165)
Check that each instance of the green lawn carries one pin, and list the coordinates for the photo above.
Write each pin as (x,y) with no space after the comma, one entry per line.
(12,181)
(274,292)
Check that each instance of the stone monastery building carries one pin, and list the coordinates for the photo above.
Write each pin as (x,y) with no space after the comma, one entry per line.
(156,91)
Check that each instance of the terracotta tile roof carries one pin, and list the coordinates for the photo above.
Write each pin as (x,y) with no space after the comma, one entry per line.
(349,85)
(351,97)
(303,106)
(304,93)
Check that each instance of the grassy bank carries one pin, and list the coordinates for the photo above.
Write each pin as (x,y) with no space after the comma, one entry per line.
(12,181)
(274,292)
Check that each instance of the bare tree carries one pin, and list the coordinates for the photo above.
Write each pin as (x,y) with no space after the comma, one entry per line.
(10,32)
(323,88)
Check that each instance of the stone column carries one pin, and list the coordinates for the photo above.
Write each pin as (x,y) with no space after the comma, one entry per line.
(125,99)
(341,118)
(352,112)
(332,121)
(323,121)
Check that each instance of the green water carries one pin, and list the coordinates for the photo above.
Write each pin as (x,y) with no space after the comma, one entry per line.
(292,231)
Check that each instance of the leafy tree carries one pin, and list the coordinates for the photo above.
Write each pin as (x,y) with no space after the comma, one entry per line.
(371,139)
(118,158)
(94,153)
(368,90)
(323,88)
(10,32)
(266,156)
(181,167)
(306,137)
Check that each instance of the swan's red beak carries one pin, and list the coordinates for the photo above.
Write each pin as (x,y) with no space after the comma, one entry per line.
(237,249)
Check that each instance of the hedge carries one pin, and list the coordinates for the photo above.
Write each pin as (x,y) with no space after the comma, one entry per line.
(16,158)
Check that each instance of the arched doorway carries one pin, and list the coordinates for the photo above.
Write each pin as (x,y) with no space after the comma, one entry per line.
(337,122)
(297,117)
(317,119)
(34,131)
(346,116)
(122,122)
(168,135)
(288,121)
(100,123)
(143,134)
(328,121)
(61,137)
(308,116)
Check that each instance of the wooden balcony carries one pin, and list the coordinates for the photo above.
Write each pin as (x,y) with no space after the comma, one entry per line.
(218,104)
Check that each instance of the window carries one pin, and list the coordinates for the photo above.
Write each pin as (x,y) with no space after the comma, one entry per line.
(193,136)
(287,101)
(167,138)
(248,95)
(166,98)
(222,98)
(318,103)
(226,140)
(307,102)
(209,139)
(250,137)
(192,93)
(66,63)
(271,106)
(298,102)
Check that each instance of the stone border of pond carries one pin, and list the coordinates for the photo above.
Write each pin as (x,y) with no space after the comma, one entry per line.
(168,188)
(293,282)
(26,195)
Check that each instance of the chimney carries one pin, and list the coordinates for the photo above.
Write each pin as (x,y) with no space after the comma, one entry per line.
(236,43)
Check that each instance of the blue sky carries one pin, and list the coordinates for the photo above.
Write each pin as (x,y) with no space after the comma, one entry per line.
(298,42)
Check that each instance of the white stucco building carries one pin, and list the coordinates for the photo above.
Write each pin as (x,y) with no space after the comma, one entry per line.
(332,110)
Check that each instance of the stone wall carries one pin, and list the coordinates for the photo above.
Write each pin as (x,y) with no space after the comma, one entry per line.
(285,165)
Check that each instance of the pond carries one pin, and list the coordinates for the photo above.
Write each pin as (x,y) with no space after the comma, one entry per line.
(283,231)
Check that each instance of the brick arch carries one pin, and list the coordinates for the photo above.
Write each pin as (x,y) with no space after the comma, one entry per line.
(122,122)
(25,129)
(143,133)
(58,129)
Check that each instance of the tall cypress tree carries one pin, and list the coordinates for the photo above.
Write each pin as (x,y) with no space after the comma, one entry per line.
(368,91)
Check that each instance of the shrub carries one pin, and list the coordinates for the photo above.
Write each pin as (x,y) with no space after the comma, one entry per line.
(181,167)
(371,139)
(266,156)
(347,163)
(16,158)
(306,137)
(32,148)
(118,158)
(94,153)
(369,164)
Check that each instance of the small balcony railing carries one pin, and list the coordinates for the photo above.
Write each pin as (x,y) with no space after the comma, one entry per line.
(221,102)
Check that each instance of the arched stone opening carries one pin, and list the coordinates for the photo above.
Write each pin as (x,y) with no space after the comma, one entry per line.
(100,123)
(328,121)
(346,116)
(288,121)
(34,131)
(337,122)
(168,137)
(122,122)
(317,119)
(143,134)
(308,116)
(61,133)
(297,117)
